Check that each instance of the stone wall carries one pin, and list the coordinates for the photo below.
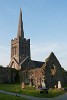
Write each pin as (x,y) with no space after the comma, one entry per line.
(8,75)
(35,75)
(53,71)
(5,75)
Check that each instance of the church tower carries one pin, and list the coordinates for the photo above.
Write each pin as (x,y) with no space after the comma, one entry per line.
(20,48)
(20,32)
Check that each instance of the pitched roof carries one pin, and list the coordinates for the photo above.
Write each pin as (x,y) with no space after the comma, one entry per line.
(38,64)
(20,32)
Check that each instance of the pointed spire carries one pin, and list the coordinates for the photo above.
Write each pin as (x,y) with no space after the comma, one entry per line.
(20,32)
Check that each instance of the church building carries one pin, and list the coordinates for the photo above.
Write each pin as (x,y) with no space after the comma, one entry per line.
(20,50)
(20,47)
(33,71)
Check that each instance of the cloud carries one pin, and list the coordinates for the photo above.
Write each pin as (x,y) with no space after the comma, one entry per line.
(39,51)
(42,50)
(4,55)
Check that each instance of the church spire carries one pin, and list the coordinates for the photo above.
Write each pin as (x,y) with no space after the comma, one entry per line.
(20,32)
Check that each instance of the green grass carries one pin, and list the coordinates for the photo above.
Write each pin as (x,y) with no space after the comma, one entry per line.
(30,90)
(9,97)
(10,87)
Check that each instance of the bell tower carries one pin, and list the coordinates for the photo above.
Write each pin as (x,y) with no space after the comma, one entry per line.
(20,47)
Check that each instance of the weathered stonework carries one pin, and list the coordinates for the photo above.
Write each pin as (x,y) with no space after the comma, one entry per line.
(53,71)
(20,48)
(8,75)
(23,69)
(50,70)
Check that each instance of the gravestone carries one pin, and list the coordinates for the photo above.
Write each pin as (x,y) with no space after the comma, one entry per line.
(23,85)
(36,82)
(31,80)
(43,85)
(30,84)
(59,85)
(55,86)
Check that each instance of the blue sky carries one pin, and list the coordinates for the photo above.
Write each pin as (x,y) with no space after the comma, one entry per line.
(45,23)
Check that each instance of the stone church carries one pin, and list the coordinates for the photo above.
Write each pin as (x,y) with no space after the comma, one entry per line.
(34,71)
(20,50)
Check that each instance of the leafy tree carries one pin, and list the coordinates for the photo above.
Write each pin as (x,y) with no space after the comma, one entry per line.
(1,66)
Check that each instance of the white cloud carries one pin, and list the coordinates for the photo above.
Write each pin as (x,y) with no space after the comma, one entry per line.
(39,51)
(4,55)
(42,51)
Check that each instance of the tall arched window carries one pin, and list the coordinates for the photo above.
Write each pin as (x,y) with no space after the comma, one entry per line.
(15,50)
(53,69)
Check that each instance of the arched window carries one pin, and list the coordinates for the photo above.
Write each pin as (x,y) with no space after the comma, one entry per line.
(53,69)
(14,50)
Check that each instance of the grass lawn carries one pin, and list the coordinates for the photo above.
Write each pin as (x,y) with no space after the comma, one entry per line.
(9,97)
(30,90)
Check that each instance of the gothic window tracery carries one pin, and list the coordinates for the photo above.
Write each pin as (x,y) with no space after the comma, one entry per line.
(14,50)
(53,70)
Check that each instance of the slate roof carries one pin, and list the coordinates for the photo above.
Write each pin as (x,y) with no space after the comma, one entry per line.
(38,64)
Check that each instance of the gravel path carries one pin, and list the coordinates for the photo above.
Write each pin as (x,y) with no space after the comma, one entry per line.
(62,97)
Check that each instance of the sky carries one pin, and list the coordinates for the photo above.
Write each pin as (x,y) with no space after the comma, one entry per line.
(44,22)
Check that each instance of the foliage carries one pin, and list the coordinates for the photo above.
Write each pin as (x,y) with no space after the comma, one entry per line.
(9,97)
(51,93)
(16,77)
(1,65)
(30,90)
(10,87)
